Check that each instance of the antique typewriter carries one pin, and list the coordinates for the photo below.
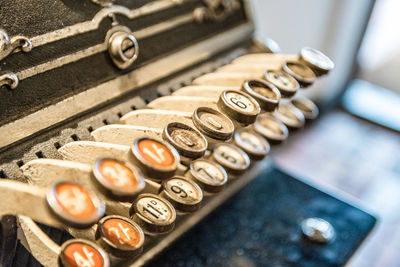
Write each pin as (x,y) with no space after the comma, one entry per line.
(124,123)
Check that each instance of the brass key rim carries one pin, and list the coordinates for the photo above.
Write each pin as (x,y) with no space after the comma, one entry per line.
(58,210)
(205,184)
(179,203)
(62,258)
(150,169)
(291,116)
(119,250)
(287,91)
(112,189)
(229,166)
(306,106)
(236,113)
(185,151)
(256,155)
(209,131)
(303,80)
(316,60)
(266,103)
(271,128)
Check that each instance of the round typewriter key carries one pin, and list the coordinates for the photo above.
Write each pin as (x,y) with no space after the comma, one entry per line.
(157,159)
(232,158)
(153,213)
(306,106)
(266,94)
(316,60)
(209,175)
(189,143)
(317,230)
(120,236)
(185,195)
(285,83)
(290,116)
(117,178)
(74,204)
(213,123)
(301,72)
(252,143)
(271,128)
(80,252)
(239,106)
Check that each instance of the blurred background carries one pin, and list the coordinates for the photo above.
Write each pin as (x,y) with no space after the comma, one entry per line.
(354,148)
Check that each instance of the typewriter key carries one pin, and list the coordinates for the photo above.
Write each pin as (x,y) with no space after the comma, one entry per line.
(290,116)
(213,123)
(271,128)
(252,143)
(239,106)
(209,175)
(153,213)
(266,94)
(185,195)
(189,142)
(117,178)
(80,252)
(306,106)
(233,159)
(301,72)
(157,159)
(120,236)
(74,204)
(316,60)
(285,83)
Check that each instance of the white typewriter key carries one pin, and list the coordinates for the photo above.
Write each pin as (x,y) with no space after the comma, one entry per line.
(213,124)
(118,178)
(185,195)
(157,159)
(271,128)
(209,175)
(233,159)
(301,72)
(252,143)
(317,230)
(189,142)
(306,106)
(120,236)
(80,252)
(75,205)
(316,60)
(285,83)
(290,116)
(266,94)
(153,213)
(239,106)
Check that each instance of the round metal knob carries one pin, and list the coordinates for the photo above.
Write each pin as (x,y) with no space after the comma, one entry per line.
(123,48)
(317,230)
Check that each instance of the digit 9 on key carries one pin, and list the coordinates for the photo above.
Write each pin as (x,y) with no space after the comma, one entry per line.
(157,159)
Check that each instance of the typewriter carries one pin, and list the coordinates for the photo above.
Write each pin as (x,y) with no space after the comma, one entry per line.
(125,126)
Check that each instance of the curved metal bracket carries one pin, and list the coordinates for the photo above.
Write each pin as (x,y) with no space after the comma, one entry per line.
(13,45)
(9,79)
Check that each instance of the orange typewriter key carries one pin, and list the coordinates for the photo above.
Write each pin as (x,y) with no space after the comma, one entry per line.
(157,159)
(117,178)
(120,236)
(74,204)
(80,252)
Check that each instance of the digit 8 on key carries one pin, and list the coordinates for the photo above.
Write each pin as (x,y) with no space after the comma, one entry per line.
(157,159)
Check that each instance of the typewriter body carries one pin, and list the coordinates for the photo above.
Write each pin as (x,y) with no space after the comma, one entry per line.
(125,123)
